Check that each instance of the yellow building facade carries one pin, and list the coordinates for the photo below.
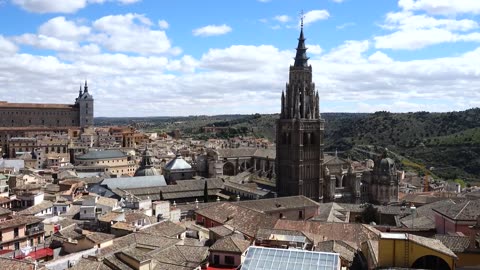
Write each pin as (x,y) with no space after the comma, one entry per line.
(407,250)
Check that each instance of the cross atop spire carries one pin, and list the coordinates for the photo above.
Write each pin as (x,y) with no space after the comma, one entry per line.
(301,59)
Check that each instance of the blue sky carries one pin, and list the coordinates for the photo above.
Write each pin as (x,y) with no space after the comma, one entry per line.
(147,58)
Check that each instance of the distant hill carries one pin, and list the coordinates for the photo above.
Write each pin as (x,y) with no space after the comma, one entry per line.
(448,143)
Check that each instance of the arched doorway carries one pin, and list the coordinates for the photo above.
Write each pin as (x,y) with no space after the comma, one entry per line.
(431,262)
(228,169)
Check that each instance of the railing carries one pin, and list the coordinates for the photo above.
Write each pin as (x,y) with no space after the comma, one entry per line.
(33,230)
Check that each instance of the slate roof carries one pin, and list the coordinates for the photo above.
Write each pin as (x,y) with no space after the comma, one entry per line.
(135,182)
(102,154)
(456,243)
(468,211)
(279,204)
(230,244)
(183,189)
(178,163)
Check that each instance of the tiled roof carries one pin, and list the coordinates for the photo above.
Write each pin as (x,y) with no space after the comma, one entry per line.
(230,244)
(322,231)
(345,251)
(12,264)
(278,204)
(244,220)
(4,211)
(164,228)
(98,237)
(468,210)
(432,243)
(44,205)
(456,243)
(181,256)
(222,230)
(19,220)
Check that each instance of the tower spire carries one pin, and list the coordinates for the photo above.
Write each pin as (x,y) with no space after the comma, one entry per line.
(85,88)
(80,91)
(301,59)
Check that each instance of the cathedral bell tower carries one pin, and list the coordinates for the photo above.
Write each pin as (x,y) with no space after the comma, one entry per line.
(300,133)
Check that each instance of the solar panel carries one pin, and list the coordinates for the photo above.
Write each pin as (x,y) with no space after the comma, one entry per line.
(261,258)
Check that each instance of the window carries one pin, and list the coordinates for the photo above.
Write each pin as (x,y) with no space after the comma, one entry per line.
(300,214)
(17,245)
(85,212)
(39,240)
(229,260)
(216,259)
(15,232)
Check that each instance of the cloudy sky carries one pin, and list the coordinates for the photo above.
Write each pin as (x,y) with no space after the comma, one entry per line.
(152,57)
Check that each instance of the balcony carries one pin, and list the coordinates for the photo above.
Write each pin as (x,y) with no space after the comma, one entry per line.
(34,230)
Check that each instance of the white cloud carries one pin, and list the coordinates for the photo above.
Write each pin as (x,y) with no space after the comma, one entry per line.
(7,47)
(345,25)
(282,18)
(338,1)
(55,44)
(130,33)
(243,79)
(61,28)
(163,24)
(352,51)
(413,32)
(314,49)
(379,57)
(442,7)
(212,30)
(315,15)
(47,6)
(61,6)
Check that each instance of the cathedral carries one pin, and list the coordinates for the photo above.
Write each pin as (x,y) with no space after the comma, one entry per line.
(299,147)
(300,165)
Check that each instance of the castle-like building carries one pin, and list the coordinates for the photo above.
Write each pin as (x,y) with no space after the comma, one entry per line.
(79,114)
(20,119)
(299,159)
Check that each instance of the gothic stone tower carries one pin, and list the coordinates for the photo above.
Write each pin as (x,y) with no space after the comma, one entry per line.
(300,133)
(85,104)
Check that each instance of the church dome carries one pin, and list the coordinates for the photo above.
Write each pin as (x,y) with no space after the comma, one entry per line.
(387,165)
(146,165)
